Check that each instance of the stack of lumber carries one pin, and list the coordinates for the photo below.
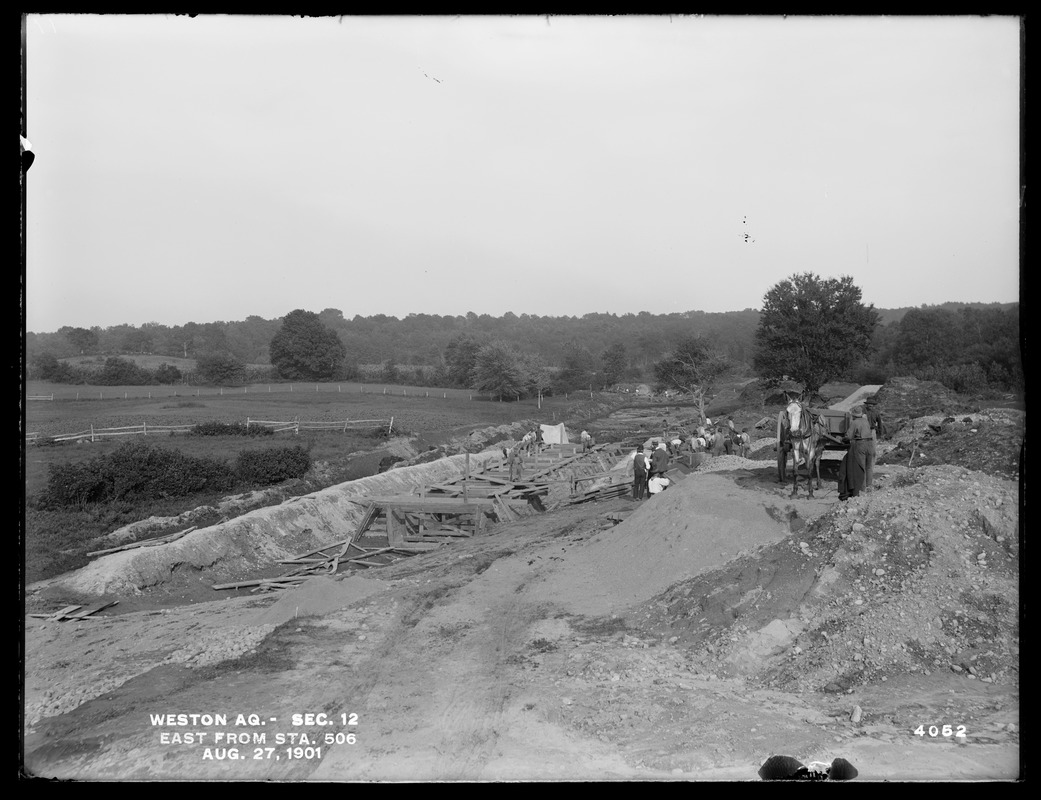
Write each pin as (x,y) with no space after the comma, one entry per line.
(319,562)
(603,493)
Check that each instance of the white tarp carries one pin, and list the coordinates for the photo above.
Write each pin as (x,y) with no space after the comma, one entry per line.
(554,434)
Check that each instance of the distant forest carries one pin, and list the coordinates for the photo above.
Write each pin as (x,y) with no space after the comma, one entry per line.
(930,342)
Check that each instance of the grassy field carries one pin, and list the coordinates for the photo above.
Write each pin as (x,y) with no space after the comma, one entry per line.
(430,415)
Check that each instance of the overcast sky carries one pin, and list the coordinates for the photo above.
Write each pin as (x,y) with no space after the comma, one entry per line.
(195,170)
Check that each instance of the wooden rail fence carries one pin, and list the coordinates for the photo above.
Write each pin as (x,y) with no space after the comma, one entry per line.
(296,425)
(144,429)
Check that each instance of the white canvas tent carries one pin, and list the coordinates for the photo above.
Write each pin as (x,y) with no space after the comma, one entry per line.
(554,434)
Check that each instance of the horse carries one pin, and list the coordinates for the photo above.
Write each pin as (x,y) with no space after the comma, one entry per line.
(802,433)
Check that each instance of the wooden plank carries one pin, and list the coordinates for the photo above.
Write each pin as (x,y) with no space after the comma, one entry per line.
(88,611)
(172,537)
(56,615)
(413,503)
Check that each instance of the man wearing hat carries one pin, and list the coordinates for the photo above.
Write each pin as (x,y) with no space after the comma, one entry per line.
(853,466)
(640,466)
(874,420)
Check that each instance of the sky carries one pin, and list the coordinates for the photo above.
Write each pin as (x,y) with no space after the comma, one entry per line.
(218,167)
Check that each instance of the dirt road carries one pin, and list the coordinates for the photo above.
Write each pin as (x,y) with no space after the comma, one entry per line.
(558,647)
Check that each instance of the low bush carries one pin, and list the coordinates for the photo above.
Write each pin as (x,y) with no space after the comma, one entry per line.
(134,471)
(230,429)
(273,465)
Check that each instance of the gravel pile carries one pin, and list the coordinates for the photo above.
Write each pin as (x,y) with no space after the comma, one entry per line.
(59,700)
(215,646)
(920,577)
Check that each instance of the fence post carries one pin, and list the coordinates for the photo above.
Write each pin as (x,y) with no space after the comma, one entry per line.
(391,426)
(144,428)
(296,430)
(92,431)
(247,424)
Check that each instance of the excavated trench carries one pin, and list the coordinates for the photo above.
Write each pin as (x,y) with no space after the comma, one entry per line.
(255,543)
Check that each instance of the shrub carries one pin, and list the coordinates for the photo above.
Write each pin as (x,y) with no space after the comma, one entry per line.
(273,465)
(131,472)
(167,374)
(230,429)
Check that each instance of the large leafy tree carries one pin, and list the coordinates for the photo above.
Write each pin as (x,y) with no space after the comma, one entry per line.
(577,371)
(498,371)
(536,375)
(812,330)
(304,349)
(614,362)
(220,369)
(460,357)
(693,367)
(85,340)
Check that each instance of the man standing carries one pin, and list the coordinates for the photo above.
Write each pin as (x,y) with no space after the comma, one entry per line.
(659,460)
(516,463)
(743,443)
(639,474)
(717,442)
(853,466)
(874,420)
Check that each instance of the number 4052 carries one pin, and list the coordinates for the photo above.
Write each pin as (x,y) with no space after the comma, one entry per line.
(941,730)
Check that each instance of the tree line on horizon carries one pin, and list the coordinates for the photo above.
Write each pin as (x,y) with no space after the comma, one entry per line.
(810,329)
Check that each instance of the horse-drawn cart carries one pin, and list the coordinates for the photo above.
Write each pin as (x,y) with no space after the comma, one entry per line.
(835,423)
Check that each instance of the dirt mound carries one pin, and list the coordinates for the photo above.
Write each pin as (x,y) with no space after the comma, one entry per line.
(920,578)
(990,441)
(909,397)
(699,523)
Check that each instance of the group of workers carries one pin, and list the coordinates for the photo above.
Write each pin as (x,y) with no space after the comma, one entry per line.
(721,439)
(531,444)
(649,471)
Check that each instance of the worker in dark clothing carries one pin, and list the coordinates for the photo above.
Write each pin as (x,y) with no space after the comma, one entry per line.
(853,466)
(659,460)
(640,474)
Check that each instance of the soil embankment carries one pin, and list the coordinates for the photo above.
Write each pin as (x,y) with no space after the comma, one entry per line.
(721,622)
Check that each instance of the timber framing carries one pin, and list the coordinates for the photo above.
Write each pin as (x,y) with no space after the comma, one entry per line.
(446,512)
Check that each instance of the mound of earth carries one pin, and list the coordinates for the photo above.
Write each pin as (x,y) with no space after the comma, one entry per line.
(718,623)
